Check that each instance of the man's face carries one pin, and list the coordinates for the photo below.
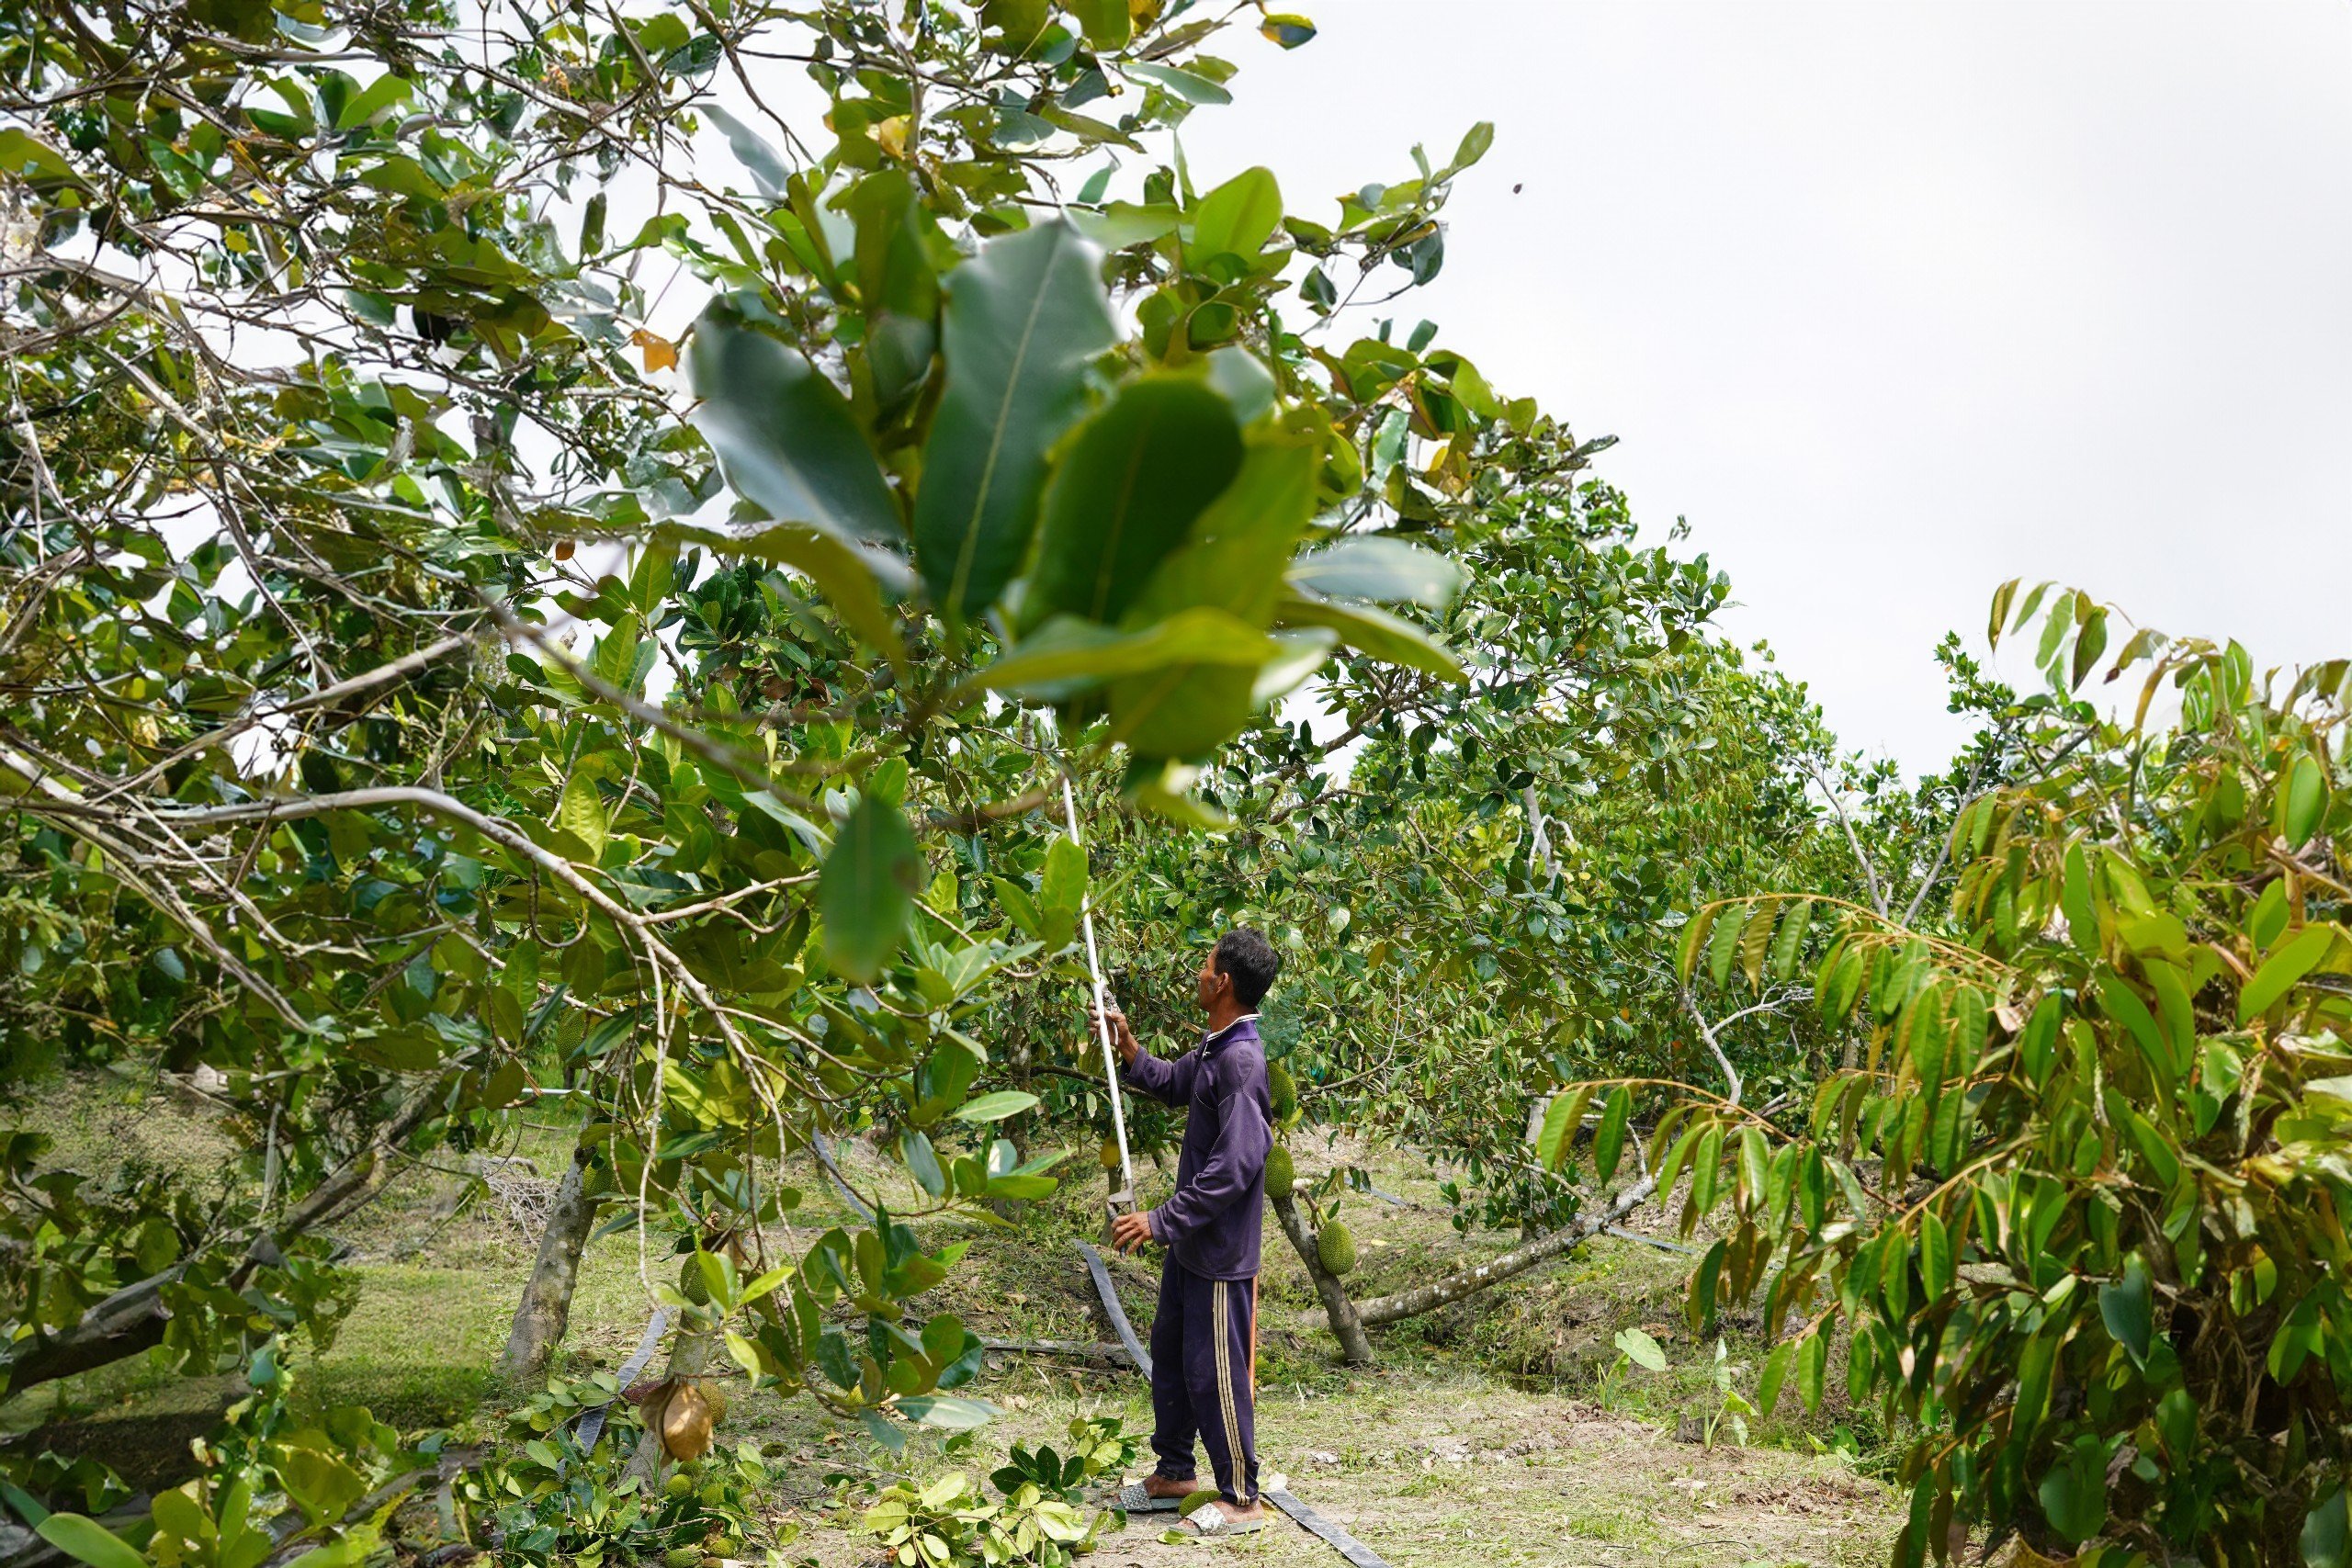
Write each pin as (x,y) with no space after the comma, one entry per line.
(1212,983)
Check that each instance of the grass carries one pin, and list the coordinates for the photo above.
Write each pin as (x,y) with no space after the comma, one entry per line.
(1475,1440)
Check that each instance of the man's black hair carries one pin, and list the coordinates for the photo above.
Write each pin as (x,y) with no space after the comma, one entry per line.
(1252,961)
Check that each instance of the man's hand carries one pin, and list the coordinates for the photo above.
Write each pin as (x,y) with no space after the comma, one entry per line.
(1130,1230)
(1123,1038)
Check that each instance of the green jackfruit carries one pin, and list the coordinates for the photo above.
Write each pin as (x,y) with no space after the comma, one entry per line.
(1280,1177)
(1283,1089)
(1335,1248)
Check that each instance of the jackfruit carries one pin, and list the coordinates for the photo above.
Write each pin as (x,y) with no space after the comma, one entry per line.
(1335,1248)
(1283,1089)
(1280,1177)
(686,1421)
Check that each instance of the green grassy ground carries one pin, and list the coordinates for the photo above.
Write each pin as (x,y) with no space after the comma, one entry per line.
(1494,1432)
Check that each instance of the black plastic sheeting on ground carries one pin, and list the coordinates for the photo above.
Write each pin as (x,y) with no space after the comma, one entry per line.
(1315,1524)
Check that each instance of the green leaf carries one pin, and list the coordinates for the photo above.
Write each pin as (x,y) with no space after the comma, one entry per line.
(2327,1532)
(1185,85)
(867,889)
(1640,1349)
(1024,318)
(1756,939)
(1132,481)
(1287,29)
(2296,958)
(1812,1369)
(22,153)
(1608,1139)
(1726,944)
(1561,1119)
(1386,570)
(897,283)
(2302,800)
(996,1107)
(1472,147)
(1694,937)
(1124,224)
(1238,216)
(1775,1373)
(89,1541)
(1234,563)
(786,437)
(1935,1269)
(580,811)
(1374,632)
(1068,655)
(1062,885)
(945,1412)
(2074,1494)
(1790,943)
(922,1161)
(380,95)
(2089,643)
(2127,1306)
(1106,24)
(2002,596)
(767,169)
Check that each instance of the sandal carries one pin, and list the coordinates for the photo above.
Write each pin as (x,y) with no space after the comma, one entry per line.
(1210,1522)
(1132,1498)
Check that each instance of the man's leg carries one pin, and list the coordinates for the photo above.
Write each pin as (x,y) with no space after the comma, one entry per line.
(1172,1426)
(1217,1375)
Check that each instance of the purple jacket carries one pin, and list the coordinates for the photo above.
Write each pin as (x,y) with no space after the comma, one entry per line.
(1211,1223)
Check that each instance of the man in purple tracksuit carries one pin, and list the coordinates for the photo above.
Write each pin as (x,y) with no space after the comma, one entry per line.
(1204,1334)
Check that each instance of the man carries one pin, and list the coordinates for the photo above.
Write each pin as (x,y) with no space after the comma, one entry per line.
(1207,1331)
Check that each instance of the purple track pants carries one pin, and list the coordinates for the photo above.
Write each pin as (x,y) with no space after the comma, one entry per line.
(1201,1341)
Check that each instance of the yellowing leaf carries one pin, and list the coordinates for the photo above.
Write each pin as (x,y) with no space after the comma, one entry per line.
(661,353)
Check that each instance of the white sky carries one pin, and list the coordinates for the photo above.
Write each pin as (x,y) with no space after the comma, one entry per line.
(1892,301)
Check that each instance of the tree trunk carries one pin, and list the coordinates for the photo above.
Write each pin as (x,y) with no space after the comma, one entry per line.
(690,1355)
(544,1311)
(1470,1281)
(1345,1325)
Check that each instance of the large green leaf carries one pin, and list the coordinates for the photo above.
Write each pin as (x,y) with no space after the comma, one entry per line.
(2127,1306)
(1069,655)
(1375,632)
(1023,319)
(1234,562)
(867,888)
(2327,1532)
(1239,216)
(2296,958)
(1389,570)
(2074,1494)
(1125,494)
(785,435)
(89,1541)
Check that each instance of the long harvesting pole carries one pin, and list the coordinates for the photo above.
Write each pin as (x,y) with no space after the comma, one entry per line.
(1127,1193)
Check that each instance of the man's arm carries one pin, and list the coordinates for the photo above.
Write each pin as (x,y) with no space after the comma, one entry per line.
(1171,1083)
(1235,1162)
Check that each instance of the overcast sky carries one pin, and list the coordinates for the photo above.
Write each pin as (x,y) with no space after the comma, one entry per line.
(1893,302)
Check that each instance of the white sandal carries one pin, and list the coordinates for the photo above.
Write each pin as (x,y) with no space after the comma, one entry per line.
(1210,1522)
